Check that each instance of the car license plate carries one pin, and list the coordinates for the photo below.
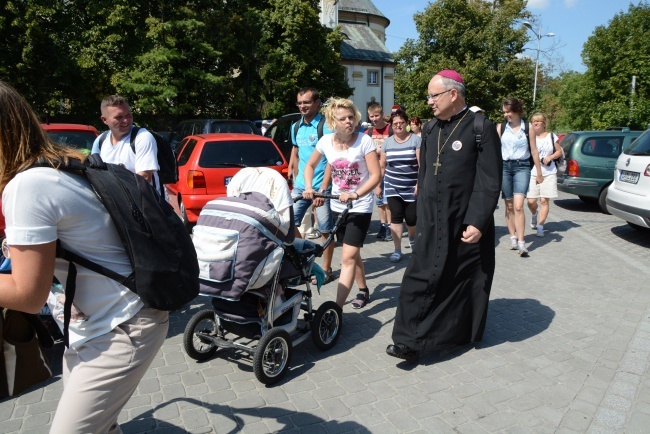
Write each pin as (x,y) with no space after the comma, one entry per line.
(631,177)
(228,178)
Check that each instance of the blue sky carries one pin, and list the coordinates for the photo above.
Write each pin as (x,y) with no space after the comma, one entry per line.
(572,21)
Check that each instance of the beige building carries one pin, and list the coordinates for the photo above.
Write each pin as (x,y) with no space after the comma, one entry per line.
(369,64)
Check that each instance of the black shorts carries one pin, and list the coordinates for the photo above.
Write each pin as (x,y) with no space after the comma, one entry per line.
(355,228)
(401,210)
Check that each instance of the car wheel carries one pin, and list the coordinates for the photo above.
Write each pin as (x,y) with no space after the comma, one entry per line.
(638,227)
(196,346)
(272,356)
(183,216)
(602,198)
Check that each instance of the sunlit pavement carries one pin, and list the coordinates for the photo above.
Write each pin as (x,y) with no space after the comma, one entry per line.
(566,349)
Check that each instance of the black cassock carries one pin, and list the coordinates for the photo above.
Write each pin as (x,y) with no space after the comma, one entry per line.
(446,286)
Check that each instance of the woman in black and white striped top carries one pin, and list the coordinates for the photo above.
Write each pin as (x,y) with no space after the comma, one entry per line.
(400,162)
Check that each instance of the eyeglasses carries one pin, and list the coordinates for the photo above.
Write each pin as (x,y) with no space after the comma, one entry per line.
(435,96)
(397,124)
(299,103)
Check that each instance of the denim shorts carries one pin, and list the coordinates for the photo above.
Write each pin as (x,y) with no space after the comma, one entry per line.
(323,213)
(516,178)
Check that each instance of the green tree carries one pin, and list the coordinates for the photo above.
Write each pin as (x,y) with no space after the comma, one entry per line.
(299,52)
(35,53)
(613,54)
(481,40)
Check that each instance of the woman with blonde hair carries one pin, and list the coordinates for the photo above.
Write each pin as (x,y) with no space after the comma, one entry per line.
(548,147)
(112,338)
(355,173)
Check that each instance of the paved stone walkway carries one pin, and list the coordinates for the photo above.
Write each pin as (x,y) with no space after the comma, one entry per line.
(566,349)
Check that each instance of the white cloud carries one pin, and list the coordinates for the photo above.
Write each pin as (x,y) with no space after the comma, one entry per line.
(539,4)
(570,3)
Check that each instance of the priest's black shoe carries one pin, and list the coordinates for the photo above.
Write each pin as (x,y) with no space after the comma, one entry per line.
(401,351)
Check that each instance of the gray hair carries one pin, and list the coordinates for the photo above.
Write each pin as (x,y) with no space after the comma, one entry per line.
(453,84)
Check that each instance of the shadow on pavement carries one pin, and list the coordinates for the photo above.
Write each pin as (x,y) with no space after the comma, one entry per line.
(285,418)
(640,237)
(514,320)
(577,205)
(552,234)
(509,320)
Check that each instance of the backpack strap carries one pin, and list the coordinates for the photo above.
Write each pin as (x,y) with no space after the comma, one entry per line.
(478,129)
(134,133)
(102,137)
(321,125)
(295,128)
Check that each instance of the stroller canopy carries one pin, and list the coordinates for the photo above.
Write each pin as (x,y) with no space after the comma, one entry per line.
(272,185)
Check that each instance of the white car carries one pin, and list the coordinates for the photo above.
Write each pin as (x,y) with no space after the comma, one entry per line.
(628,197)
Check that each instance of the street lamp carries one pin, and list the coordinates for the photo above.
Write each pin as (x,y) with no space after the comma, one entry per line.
(539,37)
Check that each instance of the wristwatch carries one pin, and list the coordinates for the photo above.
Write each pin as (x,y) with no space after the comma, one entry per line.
(5,248)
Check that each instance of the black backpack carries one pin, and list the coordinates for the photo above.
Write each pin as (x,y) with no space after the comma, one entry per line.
(478,129)
(165,268)
(168,173)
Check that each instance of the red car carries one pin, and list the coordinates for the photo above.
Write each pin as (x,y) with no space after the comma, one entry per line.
(75,135)
(207,162)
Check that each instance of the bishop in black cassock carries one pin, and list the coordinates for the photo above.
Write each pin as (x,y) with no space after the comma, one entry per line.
(444,295)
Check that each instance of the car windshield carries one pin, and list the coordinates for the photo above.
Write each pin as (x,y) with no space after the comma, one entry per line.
(77,139)
(246,153)
(231,127)
(641,146)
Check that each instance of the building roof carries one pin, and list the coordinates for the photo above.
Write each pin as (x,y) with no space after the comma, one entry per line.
(363,44)
(360,6)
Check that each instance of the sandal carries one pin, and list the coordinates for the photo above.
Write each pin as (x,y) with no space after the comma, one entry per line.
(395,257)
(362,299)
(328,278)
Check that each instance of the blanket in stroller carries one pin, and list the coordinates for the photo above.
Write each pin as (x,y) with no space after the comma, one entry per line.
(240,239)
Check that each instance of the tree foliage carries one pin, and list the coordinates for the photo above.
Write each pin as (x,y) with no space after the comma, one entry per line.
(480,40)
(208,58)
(613,54)
(299,52)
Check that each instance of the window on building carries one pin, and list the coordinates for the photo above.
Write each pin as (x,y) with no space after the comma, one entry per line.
(373,78)
(345,74)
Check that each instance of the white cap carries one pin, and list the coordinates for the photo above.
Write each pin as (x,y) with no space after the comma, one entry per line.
(476,109)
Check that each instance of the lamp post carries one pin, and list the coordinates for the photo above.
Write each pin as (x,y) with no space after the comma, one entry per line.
(539,37)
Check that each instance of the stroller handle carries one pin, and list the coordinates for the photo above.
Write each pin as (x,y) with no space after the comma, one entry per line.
(327,196)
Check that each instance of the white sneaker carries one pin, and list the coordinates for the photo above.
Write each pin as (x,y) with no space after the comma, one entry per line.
(513,243)
(533,221)
(522,250)
(540,231)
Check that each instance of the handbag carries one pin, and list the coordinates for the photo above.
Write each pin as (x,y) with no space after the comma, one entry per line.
(23,362)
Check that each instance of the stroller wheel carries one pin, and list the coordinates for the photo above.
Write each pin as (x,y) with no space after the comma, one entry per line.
(272,356)
(326,325)
(198,347)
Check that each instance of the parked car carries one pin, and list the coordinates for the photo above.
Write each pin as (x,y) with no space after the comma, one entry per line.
(591,157)
(76,135)
(628,197)
(207,162)
(208,126)
(280,132)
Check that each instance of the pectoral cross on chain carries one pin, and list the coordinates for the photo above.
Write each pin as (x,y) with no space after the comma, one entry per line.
(437,164)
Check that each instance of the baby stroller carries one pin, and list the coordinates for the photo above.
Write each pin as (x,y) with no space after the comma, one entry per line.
(258,277)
